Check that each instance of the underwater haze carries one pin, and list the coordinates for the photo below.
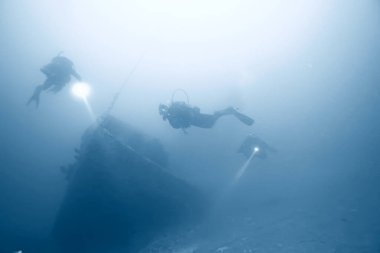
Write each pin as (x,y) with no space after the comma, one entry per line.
(307,72)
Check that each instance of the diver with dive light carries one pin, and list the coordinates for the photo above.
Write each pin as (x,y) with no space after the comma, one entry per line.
(252,143)
(58,73)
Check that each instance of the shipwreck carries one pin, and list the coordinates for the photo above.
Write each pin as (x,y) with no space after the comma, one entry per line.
(120,194)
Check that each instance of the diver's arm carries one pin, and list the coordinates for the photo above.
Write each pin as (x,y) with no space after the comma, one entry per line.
(76,75)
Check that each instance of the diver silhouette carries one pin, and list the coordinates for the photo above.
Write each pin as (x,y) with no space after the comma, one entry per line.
(58,73)
(182,115)
(253,143)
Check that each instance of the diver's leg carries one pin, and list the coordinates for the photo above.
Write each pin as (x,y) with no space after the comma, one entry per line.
(36,95)
(209,120)
(37,91)
(56,88)
(228,111)
(59,83)
(232,111)
(204,120)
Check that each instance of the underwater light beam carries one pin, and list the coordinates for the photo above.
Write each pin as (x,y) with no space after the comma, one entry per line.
(227,191)
(82,90)
(245,165)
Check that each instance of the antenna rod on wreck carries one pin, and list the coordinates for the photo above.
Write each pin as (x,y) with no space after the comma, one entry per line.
(123,85)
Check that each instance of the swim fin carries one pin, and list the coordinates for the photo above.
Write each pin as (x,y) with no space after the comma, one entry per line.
(244,118)
(35,98)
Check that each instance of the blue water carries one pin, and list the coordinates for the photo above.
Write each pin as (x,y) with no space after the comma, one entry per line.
(308,73)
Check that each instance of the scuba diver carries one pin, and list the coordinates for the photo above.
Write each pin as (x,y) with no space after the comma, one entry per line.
(182,115)
(58,73)
(252,143)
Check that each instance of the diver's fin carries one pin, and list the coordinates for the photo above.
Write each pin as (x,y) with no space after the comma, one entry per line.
(244,118)
(31,99)
(35,98)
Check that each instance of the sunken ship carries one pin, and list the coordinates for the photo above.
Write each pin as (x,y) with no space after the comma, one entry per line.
(120,194)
